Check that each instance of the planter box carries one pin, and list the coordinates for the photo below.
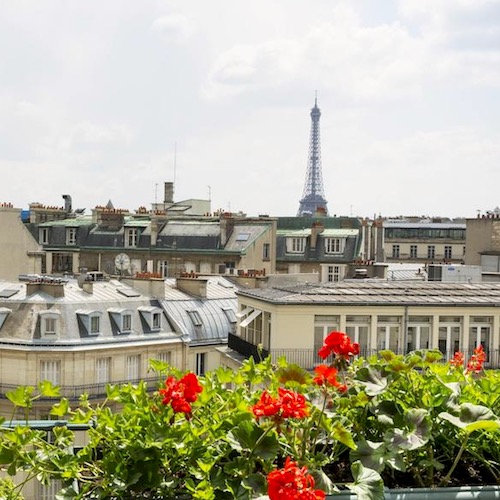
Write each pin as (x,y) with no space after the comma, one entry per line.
(451,493)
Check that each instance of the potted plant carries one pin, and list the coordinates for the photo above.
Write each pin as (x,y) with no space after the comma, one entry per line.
(355,428)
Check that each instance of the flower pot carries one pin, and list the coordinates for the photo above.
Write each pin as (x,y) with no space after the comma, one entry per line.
(456,493)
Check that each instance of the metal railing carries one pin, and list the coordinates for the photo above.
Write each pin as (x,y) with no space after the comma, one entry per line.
(73,392)
(246,348)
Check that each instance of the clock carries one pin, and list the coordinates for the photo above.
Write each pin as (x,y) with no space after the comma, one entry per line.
(122,262)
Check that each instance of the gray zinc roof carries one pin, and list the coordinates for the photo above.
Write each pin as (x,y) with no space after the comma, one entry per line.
(373,292)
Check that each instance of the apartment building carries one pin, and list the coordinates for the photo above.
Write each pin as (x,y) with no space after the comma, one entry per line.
(293,321)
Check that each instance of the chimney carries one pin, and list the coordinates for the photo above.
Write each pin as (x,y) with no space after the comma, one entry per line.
(226,228)
(67,202)
(169,192)
(316,229)
(52,288)
(154,287)
(193,286)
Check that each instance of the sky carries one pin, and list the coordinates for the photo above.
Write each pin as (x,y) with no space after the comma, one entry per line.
(108,99)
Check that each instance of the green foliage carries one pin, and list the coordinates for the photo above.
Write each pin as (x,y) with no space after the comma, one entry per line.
(407,415)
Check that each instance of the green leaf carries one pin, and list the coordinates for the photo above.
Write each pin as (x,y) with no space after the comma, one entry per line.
(341,434)
(472,417)
(372,380)
(6,455)
(60,409)
(21,396)
(368,484)
(245,437)
(48,389)
(370,454)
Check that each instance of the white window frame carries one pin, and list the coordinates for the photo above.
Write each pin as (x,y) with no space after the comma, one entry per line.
(91,319)
(43,235)
(164,357)
(201,363)
(195,317)
(335,245)
(295,244)
(71,236)
(103,370)
(431,251)
(413,251)
(131,236)
(448,252)
(396,250)
(133,367)
(333,273)
(50,370)
(151,315)
(162,268)
(120,318)
(49,324)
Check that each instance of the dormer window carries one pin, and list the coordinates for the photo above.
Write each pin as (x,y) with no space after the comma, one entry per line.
(4,312)
(152,316)
(43,236)
(91,321)
(49,324)
(334,245)
(295,245)
(131,236)
(122,319)
(71,236)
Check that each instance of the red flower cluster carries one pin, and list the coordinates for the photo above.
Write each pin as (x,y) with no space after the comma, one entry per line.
(292,483)
(180,393)
(288,404)
(476,361)
(327,376)
(339,344)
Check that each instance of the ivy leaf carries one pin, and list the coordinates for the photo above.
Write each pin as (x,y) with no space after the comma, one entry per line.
(368,484)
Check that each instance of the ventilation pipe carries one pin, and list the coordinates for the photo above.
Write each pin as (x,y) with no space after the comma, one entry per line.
(67,202)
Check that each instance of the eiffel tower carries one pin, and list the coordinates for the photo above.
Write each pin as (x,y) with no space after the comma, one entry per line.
(313,198)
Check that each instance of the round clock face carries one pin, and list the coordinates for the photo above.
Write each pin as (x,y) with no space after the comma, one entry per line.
(122,261)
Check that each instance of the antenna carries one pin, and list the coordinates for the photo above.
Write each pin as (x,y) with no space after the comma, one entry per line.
(156,193)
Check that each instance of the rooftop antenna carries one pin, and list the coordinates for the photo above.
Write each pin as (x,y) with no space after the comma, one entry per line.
(156,193)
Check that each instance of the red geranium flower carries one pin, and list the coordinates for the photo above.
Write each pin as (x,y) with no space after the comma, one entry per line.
(326,375)
(476,361)
(339,344)
(179,393)
(458,360)
(292,483)
(288,404)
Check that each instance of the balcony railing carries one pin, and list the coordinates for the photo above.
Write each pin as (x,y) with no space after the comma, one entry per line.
(308,358)
(73,392)
(246,348)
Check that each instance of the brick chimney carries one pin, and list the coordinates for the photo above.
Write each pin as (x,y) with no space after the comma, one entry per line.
(193,286)
(316,229)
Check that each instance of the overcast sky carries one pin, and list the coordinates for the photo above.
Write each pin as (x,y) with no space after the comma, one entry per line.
(108,99)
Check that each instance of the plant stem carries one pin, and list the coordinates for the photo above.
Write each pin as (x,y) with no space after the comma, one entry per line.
(446,479)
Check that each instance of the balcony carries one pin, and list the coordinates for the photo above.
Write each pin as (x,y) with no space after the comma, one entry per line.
(246,348)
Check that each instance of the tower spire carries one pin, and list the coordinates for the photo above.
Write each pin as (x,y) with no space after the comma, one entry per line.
(313,197)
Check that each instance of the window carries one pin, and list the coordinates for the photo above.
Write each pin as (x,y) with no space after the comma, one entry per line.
(131,235)
(195,317)
(90,320)
(71,236)
(334,273)
(121,320)
(49,323)
(50,370)
(152,316)
(49,491)
(103,370)
(133,367)
(126,322)
(162,267)
(95,324)
(395,251)
(413,251)
(447,251)
(431,252)
(334,245)
(43,236)
(156,321)
(295,245)
(165,357)
(201,363)
(266,251)
(231,317)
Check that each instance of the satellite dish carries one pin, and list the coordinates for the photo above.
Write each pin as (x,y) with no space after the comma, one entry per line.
(122,262)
